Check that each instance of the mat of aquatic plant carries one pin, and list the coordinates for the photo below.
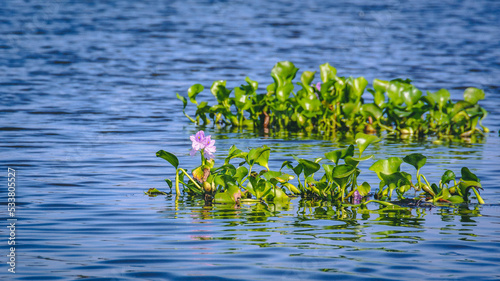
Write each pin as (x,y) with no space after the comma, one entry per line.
(245,176)
(336,104)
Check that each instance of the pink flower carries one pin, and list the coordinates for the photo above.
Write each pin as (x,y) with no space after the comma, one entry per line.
(357,197)
(209,149)
(318,86)
(204,144)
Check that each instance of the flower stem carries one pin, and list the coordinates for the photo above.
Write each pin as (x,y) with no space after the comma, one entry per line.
(197,185)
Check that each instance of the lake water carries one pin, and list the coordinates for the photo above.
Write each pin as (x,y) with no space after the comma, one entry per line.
(87,96)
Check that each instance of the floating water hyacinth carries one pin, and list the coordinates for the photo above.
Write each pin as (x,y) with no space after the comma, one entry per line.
(338,184)
(337,104)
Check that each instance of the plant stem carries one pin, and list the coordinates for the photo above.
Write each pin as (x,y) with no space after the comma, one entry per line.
(195,183)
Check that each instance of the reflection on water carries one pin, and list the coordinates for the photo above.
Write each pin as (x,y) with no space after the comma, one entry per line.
(319,239)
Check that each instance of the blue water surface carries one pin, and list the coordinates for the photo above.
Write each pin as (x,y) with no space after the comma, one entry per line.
(87,96)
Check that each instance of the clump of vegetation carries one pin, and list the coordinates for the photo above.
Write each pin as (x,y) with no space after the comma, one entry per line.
(334,178)
(336,104)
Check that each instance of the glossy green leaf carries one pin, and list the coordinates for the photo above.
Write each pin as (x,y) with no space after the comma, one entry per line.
(327,72)
(467,175)
(307,78)
(455,199)
(364,189)
(328,171)
(364,140)
(357,87)
(459,106)
(172,159)
(183,99)
(441,97)
(338,154)
(473,95)
(241,173)
(354,161)
(310,105)
(411,95)
(223,198)
(343,171)
(271,175)
(309,167)
(448,176)
(351,108)
(169,182)
(417,160)
(380,85)
(371,109)
(263,158)
(193,91)
(254,84)
(219,90)
(234,152)
(394,92)
(387,166)
(292,188)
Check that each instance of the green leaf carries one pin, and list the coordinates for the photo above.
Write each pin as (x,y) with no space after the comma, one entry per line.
(364,189)
(455,199)
(351,108)
(307,78)
(338,154)
(327,72)
(309,167)
(371,109)
(287,164)
(183,99)
(342,171)
(283,73)
(380,85)
(254,84)
(448,176)
(328,171)
(417,160)
(310,105)
(354,161)
(271,175)
(223,198)
(259,156)
(459,106)
(473,95)
(292,188)
(387,166)
(172,159)
(193,91)
(357,87)
(278,195)
(234,153)
(394,92)
(467,175)
(154,192)
(364,140)
(241,173)
(441,97)
(169,182)
(219,90)
(411,95)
